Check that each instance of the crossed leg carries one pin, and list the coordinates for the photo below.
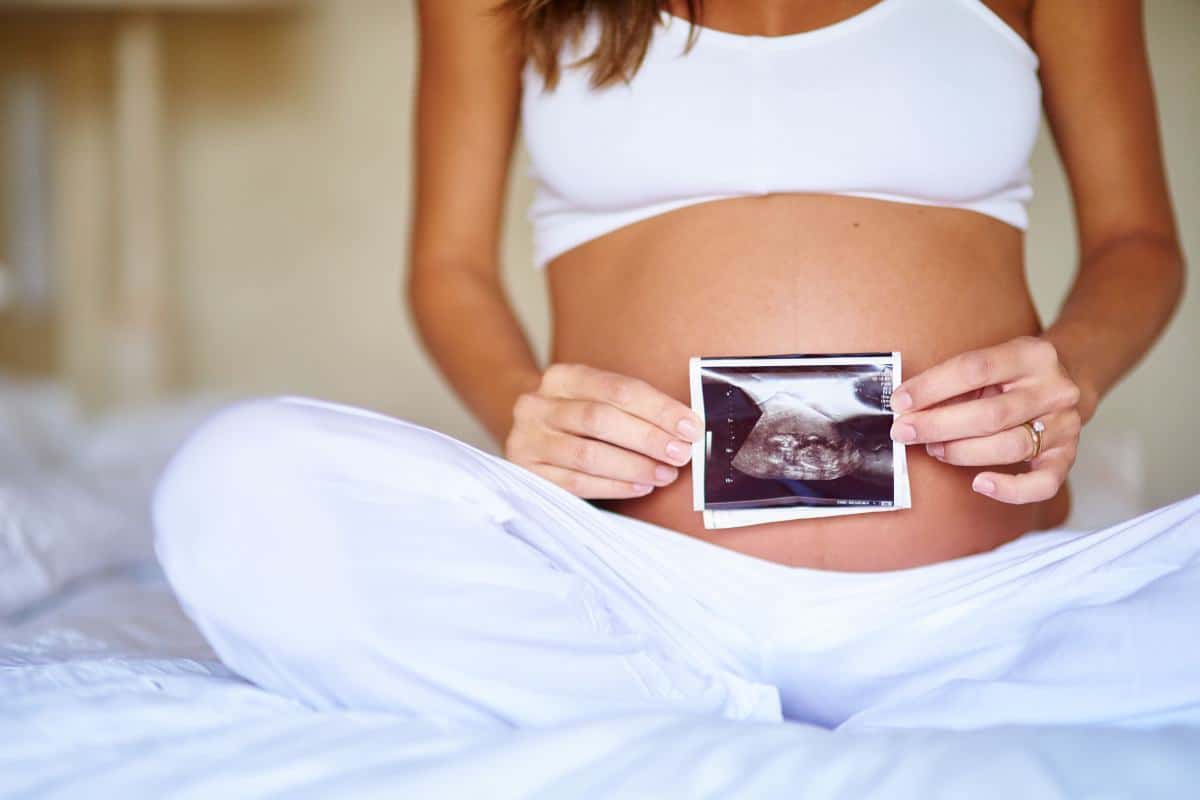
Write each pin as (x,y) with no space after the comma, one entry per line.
(348,559)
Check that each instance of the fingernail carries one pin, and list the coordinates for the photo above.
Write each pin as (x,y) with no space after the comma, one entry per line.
(678,451)
(901,401)
(983,485)
(903,432)
(665,474)
(689,429)
(936,449)
(643,488)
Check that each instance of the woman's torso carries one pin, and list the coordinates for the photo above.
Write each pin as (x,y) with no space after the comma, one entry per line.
(778,271)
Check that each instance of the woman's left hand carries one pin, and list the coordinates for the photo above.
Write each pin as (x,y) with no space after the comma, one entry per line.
(970,410)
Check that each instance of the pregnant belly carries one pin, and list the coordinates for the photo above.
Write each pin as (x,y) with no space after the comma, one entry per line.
(806,274)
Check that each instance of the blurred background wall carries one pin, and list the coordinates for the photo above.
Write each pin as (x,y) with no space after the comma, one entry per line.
(286,151)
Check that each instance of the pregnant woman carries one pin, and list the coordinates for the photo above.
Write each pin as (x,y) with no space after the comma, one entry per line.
(732,178)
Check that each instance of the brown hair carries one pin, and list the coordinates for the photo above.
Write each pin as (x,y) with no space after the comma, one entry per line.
(626,27)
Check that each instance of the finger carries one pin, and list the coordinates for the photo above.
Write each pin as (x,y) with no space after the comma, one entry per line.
(1008,447)
(579,382)
(970,419)
(1040,483)
(608,423)
(970,371)
(589,486)
(974,394)
(602,460)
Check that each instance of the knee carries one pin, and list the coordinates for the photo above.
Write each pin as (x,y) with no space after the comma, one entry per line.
(234,449)
(259,448)
(252,485)
(207,506)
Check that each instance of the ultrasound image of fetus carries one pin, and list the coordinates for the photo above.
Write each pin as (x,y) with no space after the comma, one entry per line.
(817,437)
(795,441)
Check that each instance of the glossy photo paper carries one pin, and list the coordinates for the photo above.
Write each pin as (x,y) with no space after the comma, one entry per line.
(795,437)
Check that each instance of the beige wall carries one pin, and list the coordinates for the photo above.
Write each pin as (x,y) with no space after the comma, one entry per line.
(294,208)
(289,162)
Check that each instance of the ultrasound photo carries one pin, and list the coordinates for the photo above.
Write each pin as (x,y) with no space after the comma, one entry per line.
(789,437)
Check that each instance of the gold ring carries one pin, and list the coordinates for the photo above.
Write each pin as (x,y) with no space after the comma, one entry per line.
(1036,428)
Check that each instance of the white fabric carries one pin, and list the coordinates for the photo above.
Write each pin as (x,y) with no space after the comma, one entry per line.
(110,692)
(349,560)
(107,690)
(73,490)
(933,102)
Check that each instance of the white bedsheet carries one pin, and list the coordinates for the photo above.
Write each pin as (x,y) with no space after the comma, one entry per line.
(106,690)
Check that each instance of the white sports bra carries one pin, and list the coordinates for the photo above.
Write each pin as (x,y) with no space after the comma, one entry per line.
(933,102)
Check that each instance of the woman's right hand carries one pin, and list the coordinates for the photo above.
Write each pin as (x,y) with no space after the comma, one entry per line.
(601,435)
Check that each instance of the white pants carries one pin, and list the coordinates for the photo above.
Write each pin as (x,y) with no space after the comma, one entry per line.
(352,560)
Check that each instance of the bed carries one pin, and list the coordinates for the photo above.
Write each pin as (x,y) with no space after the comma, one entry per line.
(107,690)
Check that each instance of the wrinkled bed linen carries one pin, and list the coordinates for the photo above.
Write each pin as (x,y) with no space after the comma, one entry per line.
(72,490)
(108,691)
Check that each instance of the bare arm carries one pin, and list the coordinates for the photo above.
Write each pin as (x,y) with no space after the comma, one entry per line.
(467,100)
(1129,281)
(1101,107)
(594,433)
